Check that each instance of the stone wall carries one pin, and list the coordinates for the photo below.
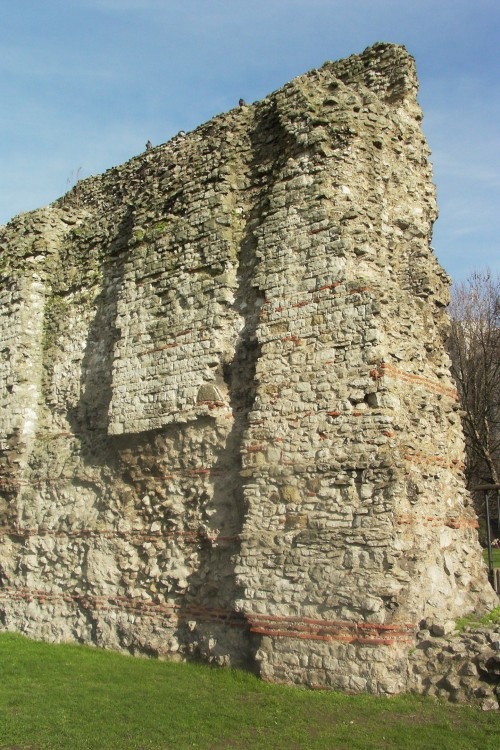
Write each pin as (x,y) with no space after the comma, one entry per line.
(457,666)
(228,428)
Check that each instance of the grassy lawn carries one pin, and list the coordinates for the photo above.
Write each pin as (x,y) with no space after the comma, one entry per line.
(73,697)
(495,554)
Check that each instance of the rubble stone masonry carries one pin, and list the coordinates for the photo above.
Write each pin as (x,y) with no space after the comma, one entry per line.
(227,424)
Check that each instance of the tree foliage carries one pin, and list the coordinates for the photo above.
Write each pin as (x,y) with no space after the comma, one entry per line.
(474,347)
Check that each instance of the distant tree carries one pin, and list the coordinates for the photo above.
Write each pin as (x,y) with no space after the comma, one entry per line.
(474,347)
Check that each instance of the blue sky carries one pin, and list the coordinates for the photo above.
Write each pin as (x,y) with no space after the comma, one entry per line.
(85,83)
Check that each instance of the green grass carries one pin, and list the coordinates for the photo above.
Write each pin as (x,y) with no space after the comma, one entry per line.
(495,555)
(72,697)
(491,618)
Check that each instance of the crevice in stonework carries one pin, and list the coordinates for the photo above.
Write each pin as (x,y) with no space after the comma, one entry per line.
(91,415)
(239,376)
(214,584)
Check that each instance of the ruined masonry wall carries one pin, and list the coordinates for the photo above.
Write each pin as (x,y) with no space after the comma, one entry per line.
(228,428)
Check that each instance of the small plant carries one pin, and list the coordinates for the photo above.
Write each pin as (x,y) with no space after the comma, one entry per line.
(473,620)
(72,186)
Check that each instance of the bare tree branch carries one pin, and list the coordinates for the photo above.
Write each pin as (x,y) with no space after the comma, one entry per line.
(474,347)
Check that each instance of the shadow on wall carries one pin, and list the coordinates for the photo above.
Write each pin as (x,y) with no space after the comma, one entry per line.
(90,418)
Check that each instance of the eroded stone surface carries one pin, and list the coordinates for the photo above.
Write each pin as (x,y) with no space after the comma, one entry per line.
(227,422)
(461,667)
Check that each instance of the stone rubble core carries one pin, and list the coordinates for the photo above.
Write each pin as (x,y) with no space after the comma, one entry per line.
(460,667)
(228,428)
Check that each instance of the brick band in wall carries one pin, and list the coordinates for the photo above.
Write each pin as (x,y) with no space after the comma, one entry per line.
(275,626)
(132,536)
(271,307)
(331,630)
(439,521)
(387,369)
(418,457)
(195,537)
(126,604)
